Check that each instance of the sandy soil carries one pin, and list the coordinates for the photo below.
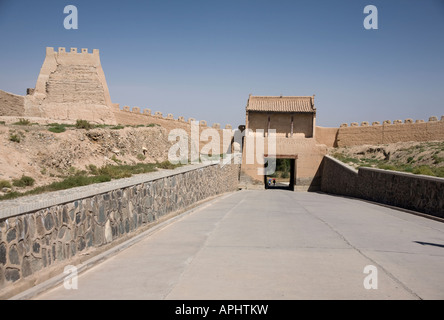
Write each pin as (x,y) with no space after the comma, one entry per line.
(412,153)
(44,155)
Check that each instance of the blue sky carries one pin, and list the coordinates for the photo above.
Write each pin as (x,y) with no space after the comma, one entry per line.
(202,58)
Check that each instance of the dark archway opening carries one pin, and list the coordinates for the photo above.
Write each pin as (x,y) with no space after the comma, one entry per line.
(284,174)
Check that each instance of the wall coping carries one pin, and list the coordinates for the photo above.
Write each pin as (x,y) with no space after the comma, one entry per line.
(346,166)
(14,207)
(404,174)
(398,173)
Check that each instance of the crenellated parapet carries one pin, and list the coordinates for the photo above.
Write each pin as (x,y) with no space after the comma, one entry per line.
(169,116)
(63,50)
(389,122)
(71,85)
(390,131)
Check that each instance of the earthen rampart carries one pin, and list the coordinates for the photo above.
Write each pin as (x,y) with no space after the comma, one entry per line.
(391,132)
(384,132)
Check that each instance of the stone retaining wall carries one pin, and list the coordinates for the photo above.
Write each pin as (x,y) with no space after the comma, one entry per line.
(37,235)
(405,190)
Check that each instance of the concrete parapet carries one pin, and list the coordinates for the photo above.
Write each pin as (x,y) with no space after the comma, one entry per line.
(408,121)
(126,108)
(376,123)
(216,125)
(433,118)
(354,124)
(364,124)
(397,121)
(228,126)
(344,125)
(202,123)
(387,122)
(181,119)
(136,109)
(190,120)
(170,116)
(158,114)
(147,112)
(419,121)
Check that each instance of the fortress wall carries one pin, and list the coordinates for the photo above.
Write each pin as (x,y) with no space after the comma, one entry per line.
(11,104)
(405,190)
(71,85)
(136,116)
(40,235)
(326,136)
(309,153)
(385,133)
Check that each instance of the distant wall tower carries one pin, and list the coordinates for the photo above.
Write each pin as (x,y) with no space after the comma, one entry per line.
(71,85)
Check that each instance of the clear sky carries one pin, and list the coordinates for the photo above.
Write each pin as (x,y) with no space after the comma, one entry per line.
(202,58)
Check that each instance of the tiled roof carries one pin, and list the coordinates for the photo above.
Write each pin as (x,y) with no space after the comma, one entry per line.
(281,104)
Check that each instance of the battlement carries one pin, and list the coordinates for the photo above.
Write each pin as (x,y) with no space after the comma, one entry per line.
(63,50)
(389,122)
(390,131)
(169,116)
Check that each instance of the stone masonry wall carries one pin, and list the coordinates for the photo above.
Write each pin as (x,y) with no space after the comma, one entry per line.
(405,190)
(34,240)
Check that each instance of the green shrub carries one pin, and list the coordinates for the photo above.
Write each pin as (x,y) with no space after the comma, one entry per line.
(5,184)
(22,122)
(114,158)
(285,175)
(386,166)
(439,172)
(93,169)
(15,138)
(118,127)
(83,124)
(436,159)
(423,170)
(24,181)
(11,195)
(141,157)
(57,128)
(167,165)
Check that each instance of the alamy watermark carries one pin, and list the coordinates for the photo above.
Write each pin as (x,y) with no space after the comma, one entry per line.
(371,20)
(70,282)
(260,148)
(71,21)
(371,281)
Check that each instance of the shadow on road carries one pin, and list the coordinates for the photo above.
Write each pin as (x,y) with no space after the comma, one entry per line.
(430,244)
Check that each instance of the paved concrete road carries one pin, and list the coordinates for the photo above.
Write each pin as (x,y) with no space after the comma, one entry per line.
(276,244)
